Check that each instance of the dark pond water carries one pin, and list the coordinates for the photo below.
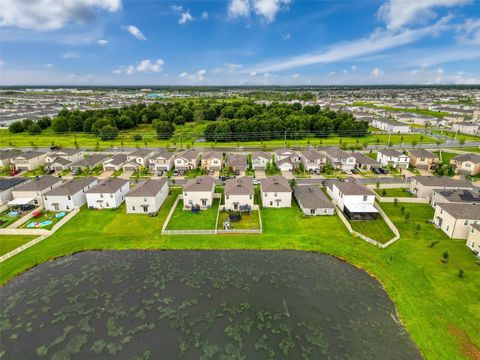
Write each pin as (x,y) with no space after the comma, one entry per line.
(199,305)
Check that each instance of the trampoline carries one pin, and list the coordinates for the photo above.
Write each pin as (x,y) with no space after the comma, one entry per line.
(234,217)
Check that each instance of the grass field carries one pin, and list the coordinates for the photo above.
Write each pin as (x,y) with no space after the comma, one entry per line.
(10,242)
(440,310)
(185,137)
(447,156)
(375,229)
(400,192)
(451,134)
(186,220)
(248,221)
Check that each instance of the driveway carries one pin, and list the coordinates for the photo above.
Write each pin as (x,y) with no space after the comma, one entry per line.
(105,174)
(260,174)
(287,174)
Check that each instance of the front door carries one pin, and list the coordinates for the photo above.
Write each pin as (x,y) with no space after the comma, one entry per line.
(55,207)
(145,208)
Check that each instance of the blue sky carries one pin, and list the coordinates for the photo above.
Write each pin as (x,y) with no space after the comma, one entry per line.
(239,42)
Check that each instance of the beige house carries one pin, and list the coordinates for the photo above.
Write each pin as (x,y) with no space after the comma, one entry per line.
(465,128)
(473,240)
(115,163)
(313,160)
(29,160)
(212,160)
(423,186)
(237,162)
(276,192)
(187,160)
(455,196)
(468,164)
(6,157)
(423,159)
(456,220)
(239,193)
(198,192)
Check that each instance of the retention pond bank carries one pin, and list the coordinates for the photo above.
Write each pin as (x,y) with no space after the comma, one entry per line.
(199,304)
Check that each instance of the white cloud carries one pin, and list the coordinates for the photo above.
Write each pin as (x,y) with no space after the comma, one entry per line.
(354,67)
(176,8)
(253,73)
(400,13)
(378,41)
(2,62)
(469,32)
(377,72)
(48,66)
(144,66)
(238,8)
(135,31)
(71,55)
(286,36)
(268,9)
(197,76)
(48,15)
(185,17)
(102,42)
(204,15)
(233,67)
(295,76)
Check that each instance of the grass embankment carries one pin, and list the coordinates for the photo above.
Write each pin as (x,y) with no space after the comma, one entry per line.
(457,136)
(183,138)
(407,110)
(440,310)
(398,192)
(377,230)
(10,242)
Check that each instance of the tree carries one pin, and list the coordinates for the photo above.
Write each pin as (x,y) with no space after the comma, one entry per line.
(108,132)
(16,127)
(137,137)
(165,129)
(59,124)
(34,129)
(293,183)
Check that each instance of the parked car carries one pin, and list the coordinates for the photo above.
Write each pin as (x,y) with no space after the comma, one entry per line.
(181,172)
(237,172)
(354,171)
(348,172)
(160,173)
(49,171)
(210,172)
(377,171)
(383,171)
(256,182)
(76,172)
(175,173)
(54,147)
(317,171)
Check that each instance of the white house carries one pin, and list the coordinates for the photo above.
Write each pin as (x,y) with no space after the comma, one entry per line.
(473,240)
(364,162)
(276,192)
(148,197)
(286,159)
(312,200)
(340,159)
(465,128)
(260,159)
(198,192)
(89,163)
(70,155)
(187,160)
(140,157)
(36,188)
(239,193)
(455,219)
(161,160)
(29,160)
(355,200)
(393,158)
(69,195)
(108,194)
(7,185)
(391,126)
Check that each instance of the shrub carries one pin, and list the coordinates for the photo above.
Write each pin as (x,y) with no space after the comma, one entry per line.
(461,274)
(445,256)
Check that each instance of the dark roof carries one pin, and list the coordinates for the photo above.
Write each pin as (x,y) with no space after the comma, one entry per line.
(39,184)
(460,195)
(312,197)
(108,186)
(212,155)
(442,181)
(389,152)
(150,187)
(474,158)
(8,183)
(141,153)
(188,154)
(91,161)
(201,183)
(363,159)
(61,161)
(8,154)
(422,153)
(350,187)
(462,211)
(239,186)
(337,153)
(30,154)
(72,187)
(275,184)
(312,154)
(116,160)
(237,160)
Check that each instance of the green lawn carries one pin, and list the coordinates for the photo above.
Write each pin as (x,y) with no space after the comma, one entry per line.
(248,221)
(377,230)
(7,220)
(440,310)
(447,156)
(11,242)
(399,192)
(457,136)
(186,220)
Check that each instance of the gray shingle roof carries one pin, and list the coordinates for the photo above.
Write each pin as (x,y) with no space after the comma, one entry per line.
(111,185)
(462,211)
(29,155)
(39,184)
(71,187)
(389,152)
(150,187)
(312,197)
(275,184)
(212,155)
(363,159)
(261,154)
(460,195)
(116,160)
(237,160)
(201,183)
(442,181)
(422,153)
(239,186)
(350,187)
(91,161)
(8,183)
(474,158)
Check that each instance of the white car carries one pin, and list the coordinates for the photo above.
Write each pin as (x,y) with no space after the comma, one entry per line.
(256,182)
(348,172)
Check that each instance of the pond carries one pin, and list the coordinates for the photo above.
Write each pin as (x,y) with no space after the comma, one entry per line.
(199,305)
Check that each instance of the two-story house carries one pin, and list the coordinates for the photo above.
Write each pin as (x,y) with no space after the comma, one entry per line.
(198,193)
(276,192)
(108,194)
(393,158)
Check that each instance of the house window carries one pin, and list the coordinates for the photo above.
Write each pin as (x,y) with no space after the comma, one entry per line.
(265,194)
(312,211)
(145,199)
(465,222)
(250,197)
(69,197)
(101,196)
(45,198)
(68,207)
(228,197)
(133,208)
(111,195)
(274,195)
(365,197)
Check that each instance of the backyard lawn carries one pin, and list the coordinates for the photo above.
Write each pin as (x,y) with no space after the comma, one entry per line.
(186,220)
(6,219)
(10,242)
(398,192)
(375,229)
(248,221)
(440,310)
(447,156)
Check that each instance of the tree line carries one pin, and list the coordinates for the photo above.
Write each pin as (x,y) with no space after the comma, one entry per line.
(226,120)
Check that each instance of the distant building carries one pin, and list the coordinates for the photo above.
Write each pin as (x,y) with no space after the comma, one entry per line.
(465,128)
(423,186)
(391,126)
(29,160)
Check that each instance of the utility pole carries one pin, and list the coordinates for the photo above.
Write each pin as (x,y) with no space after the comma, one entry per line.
(285,140)
(389,136)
